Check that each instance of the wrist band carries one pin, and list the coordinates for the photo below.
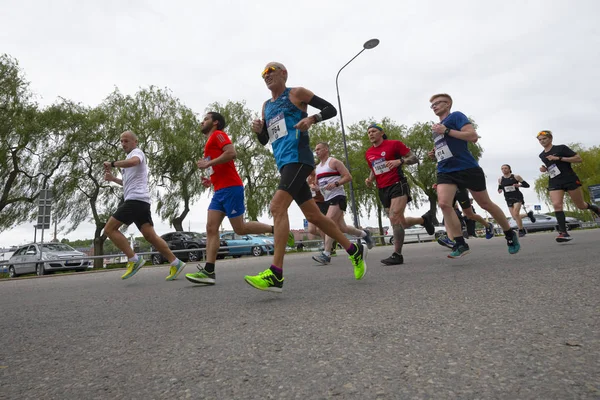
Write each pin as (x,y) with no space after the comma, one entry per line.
(112,164)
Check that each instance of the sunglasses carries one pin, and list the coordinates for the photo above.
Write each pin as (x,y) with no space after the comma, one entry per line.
(268,70)
(438,102)
(545,133)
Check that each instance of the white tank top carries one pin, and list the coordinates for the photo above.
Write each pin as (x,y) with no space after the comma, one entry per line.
(326,175)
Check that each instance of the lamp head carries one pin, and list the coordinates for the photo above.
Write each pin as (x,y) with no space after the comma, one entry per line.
(369,44)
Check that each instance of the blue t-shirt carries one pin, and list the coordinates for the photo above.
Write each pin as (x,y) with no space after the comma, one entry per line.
(451,153)
(289,144)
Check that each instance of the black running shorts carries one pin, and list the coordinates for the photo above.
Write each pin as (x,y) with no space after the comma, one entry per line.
(339,200)
(134,211)
(398,189)
(472,178)
(293,181)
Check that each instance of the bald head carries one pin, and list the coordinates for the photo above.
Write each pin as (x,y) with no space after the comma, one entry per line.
(129,141)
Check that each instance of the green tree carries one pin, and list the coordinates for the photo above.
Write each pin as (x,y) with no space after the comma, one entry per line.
(255,163)
(32,145)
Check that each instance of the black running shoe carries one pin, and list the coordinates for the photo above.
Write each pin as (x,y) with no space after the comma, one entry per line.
(563,237)
(394,259)
(427,223)
(531,217)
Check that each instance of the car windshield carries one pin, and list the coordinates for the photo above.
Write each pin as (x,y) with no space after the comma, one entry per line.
(194,235)
(56,247)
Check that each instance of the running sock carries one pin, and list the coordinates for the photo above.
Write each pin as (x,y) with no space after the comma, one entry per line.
(327,253)
(135,258)
(272,229)
(562,222)
(278,272)
(363,234)
(175,262)
(460,240)
(352,249)
(209,267)
(509,233)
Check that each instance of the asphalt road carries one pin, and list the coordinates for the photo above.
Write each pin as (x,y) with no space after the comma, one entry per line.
(487,326)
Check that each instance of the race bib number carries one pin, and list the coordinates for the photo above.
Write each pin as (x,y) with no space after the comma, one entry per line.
(509,189)
(379,166)
(209,170)
(276,128)
(324,191)
(553,171)
(442,151)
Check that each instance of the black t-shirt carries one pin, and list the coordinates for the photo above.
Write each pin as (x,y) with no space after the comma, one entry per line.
(510,191)
(559,171)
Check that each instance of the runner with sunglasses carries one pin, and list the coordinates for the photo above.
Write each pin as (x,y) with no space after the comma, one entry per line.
(510,183)
(456,167)
(557,161)
(284,124)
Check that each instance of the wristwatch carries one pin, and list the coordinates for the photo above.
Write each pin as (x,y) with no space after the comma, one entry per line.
(337,183)
(447,131)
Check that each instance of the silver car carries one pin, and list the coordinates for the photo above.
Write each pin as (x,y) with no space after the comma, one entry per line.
(544,222)
(418,234)
(44,258)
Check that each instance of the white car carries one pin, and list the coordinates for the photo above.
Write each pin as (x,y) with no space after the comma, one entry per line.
(44,258)
(418,233)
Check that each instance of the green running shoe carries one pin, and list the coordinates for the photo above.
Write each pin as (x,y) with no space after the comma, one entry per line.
(513,243)
(459,250)
(266,280)
(358,260)
(202,276)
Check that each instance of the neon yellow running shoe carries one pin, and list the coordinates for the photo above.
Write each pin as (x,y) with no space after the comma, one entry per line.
(359,260)
(266,280)
(175,270)
(133,268)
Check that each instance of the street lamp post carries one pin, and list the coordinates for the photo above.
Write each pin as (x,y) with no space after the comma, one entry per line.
(369,44)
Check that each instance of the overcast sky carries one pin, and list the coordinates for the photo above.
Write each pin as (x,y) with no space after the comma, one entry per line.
(516,67)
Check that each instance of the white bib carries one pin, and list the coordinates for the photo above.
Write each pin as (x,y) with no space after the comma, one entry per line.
(276,128)
(553,171)
(209,170)
(379,166)
(442,151)
(509,189)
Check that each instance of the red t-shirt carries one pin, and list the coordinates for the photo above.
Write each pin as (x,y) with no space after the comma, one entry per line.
(377,156)
(221,175)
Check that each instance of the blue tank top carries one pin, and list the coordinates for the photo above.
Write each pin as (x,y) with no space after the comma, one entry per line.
(289,144)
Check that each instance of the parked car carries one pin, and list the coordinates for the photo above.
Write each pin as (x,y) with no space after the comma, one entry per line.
(43,258)
(193,241)
(418,233)
(544,222)
(240,245)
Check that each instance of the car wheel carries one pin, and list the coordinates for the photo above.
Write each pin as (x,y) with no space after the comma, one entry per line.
(257,251)
(40,270)
(194,256)
(392,240)
(157,259)
(11,272)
